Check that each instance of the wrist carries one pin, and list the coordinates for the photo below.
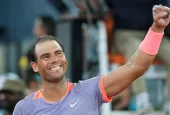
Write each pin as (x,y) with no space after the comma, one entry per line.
(157,29)
(150,44)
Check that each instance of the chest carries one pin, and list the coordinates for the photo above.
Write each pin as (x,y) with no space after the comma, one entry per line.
(76,103)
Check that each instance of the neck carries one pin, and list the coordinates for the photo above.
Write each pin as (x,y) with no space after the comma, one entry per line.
(53,92)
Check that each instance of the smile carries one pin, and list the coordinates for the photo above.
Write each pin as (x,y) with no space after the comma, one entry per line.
(55,68)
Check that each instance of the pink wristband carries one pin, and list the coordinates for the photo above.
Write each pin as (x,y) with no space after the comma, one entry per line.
(150,45)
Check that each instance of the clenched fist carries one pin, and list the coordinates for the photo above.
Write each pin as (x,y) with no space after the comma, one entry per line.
(161,18)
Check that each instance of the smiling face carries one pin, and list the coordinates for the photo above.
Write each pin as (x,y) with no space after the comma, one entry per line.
(51,63)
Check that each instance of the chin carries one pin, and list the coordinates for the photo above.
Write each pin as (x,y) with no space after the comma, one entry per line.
(55,78)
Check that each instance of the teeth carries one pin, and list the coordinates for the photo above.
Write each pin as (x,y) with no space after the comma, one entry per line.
(55,68)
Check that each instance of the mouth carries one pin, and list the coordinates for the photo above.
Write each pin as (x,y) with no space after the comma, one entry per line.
(55,68)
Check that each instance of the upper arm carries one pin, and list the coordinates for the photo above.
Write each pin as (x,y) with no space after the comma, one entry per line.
(118,80)
(121,78)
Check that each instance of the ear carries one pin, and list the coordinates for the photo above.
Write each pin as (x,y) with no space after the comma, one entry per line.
(34,66)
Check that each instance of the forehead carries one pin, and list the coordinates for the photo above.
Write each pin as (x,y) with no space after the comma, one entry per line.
(49,46)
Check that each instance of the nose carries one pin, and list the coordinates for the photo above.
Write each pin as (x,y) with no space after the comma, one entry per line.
(54,59)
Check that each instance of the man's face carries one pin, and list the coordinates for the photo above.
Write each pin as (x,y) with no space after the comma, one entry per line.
(51,62)
(38,30)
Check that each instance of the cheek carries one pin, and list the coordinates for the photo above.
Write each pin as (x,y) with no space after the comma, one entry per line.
(65,62)
(42,65)
(65,65)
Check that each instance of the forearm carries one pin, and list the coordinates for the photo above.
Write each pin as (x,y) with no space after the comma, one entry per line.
(147,51)
(139,63)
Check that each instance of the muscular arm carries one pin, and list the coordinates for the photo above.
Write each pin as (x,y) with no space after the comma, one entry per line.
(119,79)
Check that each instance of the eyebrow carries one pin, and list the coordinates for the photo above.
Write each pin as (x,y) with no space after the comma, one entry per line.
(49,53)
(58,51)
(44,55)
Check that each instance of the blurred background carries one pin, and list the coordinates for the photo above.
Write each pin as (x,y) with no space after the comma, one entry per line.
(98,36)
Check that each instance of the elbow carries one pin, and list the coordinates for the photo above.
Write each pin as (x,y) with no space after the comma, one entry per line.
(137,70)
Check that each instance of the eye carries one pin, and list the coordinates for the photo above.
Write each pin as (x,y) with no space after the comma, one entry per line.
(59,54)
(45,56)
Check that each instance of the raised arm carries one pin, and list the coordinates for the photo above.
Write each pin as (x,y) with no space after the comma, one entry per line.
(119,79)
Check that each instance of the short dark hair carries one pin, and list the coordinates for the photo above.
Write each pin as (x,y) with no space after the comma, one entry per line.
(48,23)
(31,53)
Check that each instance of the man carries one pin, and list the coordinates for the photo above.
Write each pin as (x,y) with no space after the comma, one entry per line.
(43,25)
(86,97)
(11,92)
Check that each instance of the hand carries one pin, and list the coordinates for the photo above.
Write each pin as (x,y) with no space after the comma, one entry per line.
(161,18)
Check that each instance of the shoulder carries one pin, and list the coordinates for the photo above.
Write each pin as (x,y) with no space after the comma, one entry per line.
(24,104)
(90,84)
(89,81)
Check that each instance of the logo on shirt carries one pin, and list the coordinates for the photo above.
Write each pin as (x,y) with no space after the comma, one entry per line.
(73,104)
